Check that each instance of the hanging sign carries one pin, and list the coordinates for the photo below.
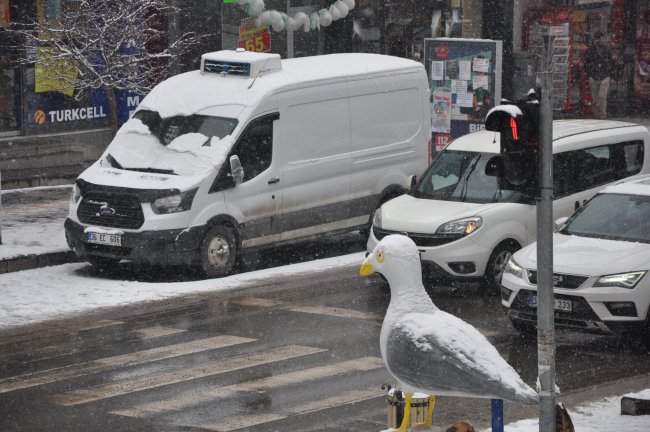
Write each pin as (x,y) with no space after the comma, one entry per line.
(253,38)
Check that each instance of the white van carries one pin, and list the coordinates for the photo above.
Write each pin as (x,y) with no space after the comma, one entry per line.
(467,224)
(250,151)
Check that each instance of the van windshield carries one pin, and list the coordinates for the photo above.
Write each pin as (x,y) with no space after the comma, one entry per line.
(460,176)
(168,129)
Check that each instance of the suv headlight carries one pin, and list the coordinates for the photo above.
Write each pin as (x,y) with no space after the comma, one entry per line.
(376,218)
(463,226)
(620,280)
(514,268)
(75,196)
(174,203)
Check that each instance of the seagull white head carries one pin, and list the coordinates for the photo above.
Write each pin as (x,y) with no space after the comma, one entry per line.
(395,257)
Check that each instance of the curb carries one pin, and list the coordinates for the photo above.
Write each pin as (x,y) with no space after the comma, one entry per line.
(33,261)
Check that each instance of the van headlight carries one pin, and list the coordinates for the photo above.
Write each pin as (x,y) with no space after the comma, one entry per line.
(513,268)
(75,196)
(621,280)
(376,218)
(174,203)
(463,226)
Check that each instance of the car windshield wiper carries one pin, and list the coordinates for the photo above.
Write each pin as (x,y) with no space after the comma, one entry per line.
(465,180)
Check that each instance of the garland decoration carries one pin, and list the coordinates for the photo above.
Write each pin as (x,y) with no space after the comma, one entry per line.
(280,21)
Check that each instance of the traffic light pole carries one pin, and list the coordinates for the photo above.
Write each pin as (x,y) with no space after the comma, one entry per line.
(545,303)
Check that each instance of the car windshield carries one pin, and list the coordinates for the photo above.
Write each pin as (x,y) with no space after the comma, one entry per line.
(168,129)
(613,217)
(460,176)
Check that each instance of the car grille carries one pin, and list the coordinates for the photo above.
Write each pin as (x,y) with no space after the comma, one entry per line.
(111,210)
(580,308)
(560,280)
(421,240)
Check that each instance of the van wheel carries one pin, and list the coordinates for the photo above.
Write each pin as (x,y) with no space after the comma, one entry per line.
(218,251)
(102,263)
(496,265)
(365,231)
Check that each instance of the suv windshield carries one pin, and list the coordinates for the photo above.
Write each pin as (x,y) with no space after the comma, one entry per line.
(613,217)
(168,129)
(460,176)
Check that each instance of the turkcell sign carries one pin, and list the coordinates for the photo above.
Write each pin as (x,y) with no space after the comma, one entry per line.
(74,114)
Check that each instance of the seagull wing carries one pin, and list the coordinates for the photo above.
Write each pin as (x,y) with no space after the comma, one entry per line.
(441,354)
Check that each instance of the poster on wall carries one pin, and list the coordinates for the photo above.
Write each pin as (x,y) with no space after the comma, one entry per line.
(469,73)
(642,70)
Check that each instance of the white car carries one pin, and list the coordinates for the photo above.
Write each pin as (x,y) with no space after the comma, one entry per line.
(467,222)
(601,259)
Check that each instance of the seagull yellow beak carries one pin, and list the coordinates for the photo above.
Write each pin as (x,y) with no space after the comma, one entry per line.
(366,268)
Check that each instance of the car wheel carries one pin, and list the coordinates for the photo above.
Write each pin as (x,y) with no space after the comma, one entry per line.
(102,263)
(218,251)
(496,265)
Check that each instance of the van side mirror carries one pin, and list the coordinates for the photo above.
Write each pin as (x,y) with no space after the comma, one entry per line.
(414,182)
(236,170)
(494,166)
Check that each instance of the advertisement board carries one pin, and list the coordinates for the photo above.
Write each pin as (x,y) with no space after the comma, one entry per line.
(253,38)
(465,81)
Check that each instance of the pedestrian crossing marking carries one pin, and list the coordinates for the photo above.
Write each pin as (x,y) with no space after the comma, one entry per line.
(321,310)
(159,379)
(197,397)
(154,332)
(246,420)
(101,324)
(123,360)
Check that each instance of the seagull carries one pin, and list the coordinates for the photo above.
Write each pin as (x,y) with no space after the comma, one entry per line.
(431,351)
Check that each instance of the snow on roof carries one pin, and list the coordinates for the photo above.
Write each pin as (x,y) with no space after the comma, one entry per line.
(634,186)
(192,92)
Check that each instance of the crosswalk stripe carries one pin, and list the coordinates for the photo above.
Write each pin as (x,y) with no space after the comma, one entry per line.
(245,420)
(196,397)
(82,396)
(329,311)
(154,332)
(123,360)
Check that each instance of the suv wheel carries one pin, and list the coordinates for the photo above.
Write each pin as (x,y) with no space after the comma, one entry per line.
(496,265)
(218,251)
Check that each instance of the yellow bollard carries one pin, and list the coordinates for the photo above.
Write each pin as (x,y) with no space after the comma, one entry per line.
(422,406)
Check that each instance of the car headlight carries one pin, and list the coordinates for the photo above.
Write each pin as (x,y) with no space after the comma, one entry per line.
(463,226)
(376,218)
(174,203)
(75,196)
(620,280)
(514,268)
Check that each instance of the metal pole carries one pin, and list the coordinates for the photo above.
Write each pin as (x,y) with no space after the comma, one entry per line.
(545,308)
(497,415)
(289,34)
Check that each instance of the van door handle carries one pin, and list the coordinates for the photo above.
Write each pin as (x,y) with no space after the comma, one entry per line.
(577,205)
(274,180)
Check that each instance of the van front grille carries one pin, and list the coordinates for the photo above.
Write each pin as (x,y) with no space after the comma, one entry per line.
(111,210)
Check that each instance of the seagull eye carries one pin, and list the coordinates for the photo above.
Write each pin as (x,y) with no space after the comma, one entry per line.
(380,256)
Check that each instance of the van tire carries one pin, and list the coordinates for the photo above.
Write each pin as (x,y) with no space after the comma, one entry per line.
(218,251)
(496,265)
(365,231)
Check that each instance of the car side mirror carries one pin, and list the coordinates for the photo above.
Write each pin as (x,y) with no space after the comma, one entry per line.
(559,222)
(236,170)
(414,182)
(494,166)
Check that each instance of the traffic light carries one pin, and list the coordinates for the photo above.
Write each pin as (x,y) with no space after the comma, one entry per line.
(518,127)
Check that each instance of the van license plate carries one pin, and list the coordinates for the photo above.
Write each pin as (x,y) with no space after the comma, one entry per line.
(563,305)
(104,239)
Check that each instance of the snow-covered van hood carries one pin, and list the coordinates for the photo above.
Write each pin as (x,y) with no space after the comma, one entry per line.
(590,256)
(406,213)
(188,158)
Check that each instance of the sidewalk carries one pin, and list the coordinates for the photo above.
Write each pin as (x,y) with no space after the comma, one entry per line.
(31,226)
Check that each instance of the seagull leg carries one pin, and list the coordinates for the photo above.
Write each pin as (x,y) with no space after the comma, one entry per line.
(432,405)
(407,413)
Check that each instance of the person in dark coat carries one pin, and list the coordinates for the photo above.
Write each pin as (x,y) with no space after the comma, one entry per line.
(599,65)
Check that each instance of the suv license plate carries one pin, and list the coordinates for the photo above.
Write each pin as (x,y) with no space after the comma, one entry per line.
(104,239)
(563,305)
